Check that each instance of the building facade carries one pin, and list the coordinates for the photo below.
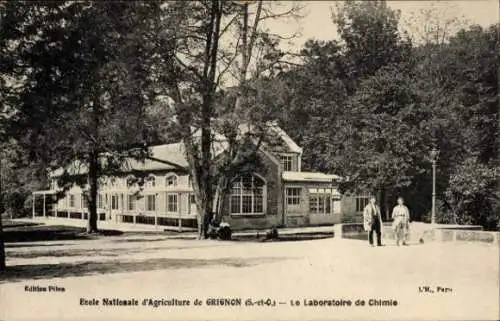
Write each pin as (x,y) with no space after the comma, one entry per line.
(279,194)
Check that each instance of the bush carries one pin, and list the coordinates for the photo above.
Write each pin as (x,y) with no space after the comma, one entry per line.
(473,195)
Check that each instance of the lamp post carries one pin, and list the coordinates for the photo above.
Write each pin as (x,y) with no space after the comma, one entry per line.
(434,155)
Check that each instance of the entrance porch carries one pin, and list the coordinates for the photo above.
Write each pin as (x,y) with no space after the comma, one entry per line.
(311,199)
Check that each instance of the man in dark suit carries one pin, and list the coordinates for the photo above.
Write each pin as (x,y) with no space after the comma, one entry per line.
(372,221)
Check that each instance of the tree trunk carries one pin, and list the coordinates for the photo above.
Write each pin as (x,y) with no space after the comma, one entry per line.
(383,203)
(222,192)
(2,246)
(2,208)
(92,197)
(386,204)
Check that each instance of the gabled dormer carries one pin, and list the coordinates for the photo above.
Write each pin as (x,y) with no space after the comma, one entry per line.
(290,162)
(289,154)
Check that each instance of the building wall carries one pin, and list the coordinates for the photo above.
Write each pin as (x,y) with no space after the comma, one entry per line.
(300,214)
(352,207)
(272,216)
(277,212)
(118,187)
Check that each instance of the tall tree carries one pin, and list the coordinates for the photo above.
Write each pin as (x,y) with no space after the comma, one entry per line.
(86,84)
(370,36)
(314,96)
(435,23)
(211,45)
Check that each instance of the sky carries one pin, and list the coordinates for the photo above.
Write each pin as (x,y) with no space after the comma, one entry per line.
(317,24)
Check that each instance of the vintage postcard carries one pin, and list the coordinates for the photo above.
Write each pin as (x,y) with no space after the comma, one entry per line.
(249,160)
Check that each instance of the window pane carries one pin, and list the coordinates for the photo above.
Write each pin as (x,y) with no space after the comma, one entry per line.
(247,181)
(258,182)
(151,203)
(131,203)
(171,180)
(247,204)
(313,203)
(247,187)
(286,162)
(235,204)
(114,202)
(321,204)
(293,196)
(172,203)
(236,188)
(328,203)
(258,204)
(84,202)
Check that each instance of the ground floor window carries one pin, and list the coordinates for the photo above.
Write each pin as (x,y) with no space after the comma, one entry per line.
(172,203)
(192,199)
(320,201)
(247,195)
(84,202)
(71,200)
(293,195)
(114,202)
(100,201)
(151,203)
(132,203)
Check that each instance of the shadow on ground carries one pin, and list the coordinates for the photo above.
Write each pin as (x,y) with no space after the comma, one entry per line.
(106,252)
(35,245)
(36,233)
(47,271)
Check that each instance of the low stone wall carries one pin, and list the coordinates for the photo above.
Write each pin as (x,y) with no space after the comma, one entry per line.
(348,229)
(450,235)
(424,233)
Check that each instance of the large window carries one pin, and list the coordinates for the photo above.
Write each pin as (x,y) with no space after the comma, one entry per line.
(71,200)
(132,201)
(361,202)
(247,195)
(286,162)
(172,203)
(293,195)
(320,201)
(151,203)
(115,202)
(171,180)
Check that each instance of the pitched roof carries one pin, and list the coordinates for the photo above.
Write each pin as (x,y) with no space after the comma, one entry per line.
(172,156)
(163,157)
(309,177)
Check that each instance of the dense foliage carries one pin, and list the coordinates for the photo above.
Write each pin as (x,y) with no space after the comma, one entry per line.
(371,106)
(81,78)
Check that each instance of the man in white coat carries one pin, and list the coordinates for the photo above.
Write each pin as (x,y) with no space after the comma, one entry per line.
(372,221)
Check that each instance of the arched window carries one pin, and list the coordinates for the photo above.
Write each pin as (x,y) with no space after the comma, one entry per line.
(248,196)
(150,180)
(130,180)
(171,180)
